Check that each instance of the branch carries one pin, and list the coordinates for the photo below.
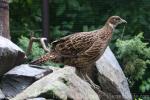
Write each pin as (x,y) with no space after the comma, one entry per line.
(43,44)
(34,39)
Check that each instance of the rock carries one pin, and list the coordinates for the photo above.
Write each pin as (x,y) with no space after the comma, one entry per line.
(37,98)
(27,70)
(112,78)
(10,55)
(20,77)
(62,84)
(2,96)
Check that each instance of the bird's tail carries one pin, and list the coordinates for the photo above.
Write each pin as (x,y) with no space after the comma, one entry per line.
(44,58)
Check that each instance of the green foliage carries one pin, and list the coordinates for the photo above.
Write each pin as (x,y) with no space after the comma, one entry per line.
(138,99)
(134,56)
(24,17)
(142,97)
(145,86)
(36,50)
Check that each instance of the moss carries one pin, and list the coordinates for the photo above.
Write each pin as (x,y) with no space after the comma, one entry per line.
(50,95)
(65,81)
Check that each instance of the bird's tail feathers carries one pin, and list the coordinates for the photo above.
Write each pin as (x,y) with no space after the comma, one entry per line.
(44,58)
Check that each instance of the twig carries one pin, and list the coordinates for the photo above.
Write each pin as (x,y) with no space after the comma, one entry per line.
(123,32)
(34,39)
(30,44)
(43,44)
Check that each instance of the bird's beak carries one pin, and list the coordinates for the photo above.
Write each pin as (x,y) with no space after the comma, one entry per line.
(123,21)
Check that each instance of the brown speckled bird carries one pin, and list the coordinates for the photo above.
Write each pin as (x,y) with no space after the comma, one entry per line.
(82,49)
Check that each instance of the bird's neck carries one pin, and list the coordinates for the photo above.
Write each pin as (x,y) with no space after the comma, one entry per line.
(109,28)
(107,31)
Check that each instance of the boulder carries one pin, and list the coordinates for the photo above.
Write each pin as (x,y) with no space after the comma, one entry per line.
(20,77)
(2,96)
(62,84)
(10,55)
(111,77)
(39,98)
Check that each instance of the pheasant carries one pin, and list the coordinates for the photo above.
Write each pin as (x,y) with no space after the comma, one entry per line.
(83,48)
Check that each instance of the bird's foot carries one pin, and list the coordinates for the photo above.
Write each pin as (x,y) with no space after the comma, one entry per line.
(86,78)
(93,85)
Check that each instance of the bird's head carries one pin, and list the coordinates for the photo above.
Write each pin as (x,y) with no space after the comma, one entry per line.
(113,21)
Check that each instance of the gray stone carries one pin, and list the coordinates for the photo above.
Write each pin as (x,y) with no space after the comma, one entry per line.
(29,71)
(20,77)
(62,84)
(37,99)
(112,78)
(2,96)
(10,55)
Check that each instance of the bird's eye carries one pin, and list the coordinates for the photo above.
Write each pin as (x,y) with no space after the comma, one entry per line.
(116,19)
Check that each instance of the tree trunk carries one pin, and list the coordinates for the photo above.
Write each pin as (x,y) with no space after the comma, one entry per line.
(4,19)
(45,19)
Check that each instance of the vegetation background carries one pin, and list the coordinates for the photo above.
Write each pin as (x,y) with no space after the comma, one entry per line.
(132,48)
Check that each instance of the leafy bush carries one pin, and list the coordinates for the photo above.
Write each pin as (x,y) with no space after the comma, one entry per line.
(134,56)
(145,86)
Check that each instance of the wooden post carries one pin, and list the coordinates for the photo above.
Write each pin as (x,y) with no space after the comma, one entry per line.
(45,19)
(4,19)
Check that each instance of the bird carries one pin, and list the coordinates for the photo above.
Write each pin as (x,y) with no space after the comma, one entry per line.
(81,49)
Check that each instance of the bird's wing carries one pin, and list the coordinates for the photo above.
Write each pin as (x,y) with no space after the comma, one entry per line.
(61,40)
(74,44)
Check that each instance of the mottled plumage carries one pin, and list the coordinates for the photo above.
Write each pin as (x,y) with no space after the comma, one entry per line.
(83,48)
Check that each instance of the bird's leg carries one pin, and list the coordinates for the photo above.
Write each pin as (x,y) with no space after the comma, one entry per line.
(91,82)
(83,73)
(82,76)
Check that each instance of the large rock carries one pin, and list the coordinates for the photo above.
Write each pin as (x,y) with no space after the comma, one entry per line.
(112,78)
(62,84)
(2,96)
(39,98)
(20,77)
(10,55)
